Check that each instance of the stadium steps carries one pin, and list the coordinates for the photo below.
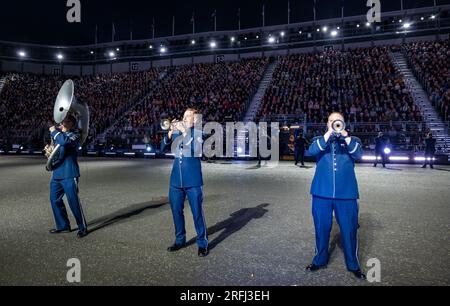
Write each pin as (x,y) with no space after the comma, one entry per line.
(254,107)
(102,136)
(2,83)
(420,98)
(256,101)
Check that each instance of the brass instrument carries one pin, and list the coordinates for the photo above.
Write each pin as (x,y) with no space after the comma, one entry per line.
(338,127)
(65,103)
(166,124)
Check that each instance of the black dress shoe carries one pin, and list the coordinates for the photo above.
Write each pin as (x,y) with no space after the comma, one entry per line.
(176,247)
(55,231)
(358,274)
(314,268)
(82,234)
(203,252)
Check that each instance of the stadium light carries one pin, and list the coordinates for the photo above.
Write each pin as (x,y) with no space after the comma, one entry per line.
(299,32)
(163,49)
(325,29)
(387,151)
(111,54)
(421,18)
(334,33)
(193,42)
(21,53)
(399,158)
(318,30)
(257,36)
(357,25)
(400,21)
(282,34)
(117,49)
(92,52)
(213,44)
(433,16)
(367,24)
(233,39)
(271,40)
(59,56)
(150,47)
(406,25)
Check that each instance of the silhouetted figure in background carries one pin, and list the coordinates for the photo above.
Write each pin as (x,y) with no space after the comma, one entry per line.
(380,146)
(430,150)
(300,147)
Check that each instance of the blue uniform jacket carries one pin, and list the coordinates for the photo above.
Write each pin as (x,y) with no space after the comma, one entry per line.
(187,168)
(67,160)
(335,173)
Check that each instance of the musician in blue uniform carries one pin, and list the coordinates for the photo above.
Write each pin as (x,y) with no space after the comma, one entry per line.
(334,188)
(65,178)
(186,180)
(430,150)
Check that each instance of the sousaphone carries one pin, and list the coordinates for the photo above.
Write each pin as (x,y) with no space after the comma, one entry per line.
(67,103)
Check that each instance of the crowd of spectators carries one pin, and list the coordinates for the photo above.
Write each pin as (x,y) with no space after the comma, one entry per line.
(27,100)
(361,83)
(430,60)
(220,91)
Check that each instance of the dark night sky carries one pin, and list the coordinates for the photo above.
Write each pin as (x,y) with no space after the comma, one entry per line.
(44,21)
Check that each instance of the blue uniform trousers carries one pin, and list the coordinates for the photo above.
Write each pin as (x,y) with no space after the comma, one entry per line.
(346,212)
(69,187)
(177,196)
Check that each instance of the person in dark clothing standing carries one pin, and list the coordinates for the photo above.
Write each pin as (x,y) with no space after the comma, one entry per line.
(380,146)
(300,147)
(430,150)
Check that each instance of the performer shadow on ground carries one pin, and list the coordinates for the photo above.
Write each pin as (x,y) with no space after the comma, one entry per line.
(233,224)
(126,213)
(394,169)
(441,169)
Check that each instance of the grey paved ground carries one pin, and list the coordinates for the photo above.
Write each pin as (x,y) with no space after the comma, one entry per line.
(405,214)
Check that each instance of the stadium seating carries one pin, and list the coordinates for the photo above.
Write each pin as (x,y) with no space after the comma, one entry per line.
(430,61)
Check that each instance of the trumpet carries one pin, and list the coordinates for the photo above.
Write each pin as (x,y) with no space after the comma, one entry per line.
(166,124)
(338,126)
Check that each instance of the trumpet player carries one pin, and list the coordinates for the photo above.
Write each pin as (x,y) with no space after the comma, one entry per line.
(186,180)
(65,178)
(334,188)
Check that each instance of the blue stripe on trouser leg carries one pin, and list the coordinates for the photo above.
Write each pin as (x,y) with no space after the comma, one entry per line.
(176,198)
(346,212)
(322,210)
(59,210)
(71,190)
(195,197)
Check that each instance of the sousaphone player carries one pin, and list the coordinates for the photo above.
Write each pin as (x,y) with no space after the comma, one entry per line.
(67,137)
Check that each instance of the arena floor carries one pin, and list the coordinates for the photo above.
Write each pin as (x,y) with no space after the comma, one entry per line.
(259,219)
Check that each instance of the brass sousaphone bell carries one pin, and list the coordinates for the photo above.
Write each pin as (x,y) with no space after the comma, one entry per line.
(67,103)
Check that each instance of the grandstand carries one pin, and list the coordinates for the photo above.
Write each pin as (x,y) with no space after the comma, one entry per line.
(290,74)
